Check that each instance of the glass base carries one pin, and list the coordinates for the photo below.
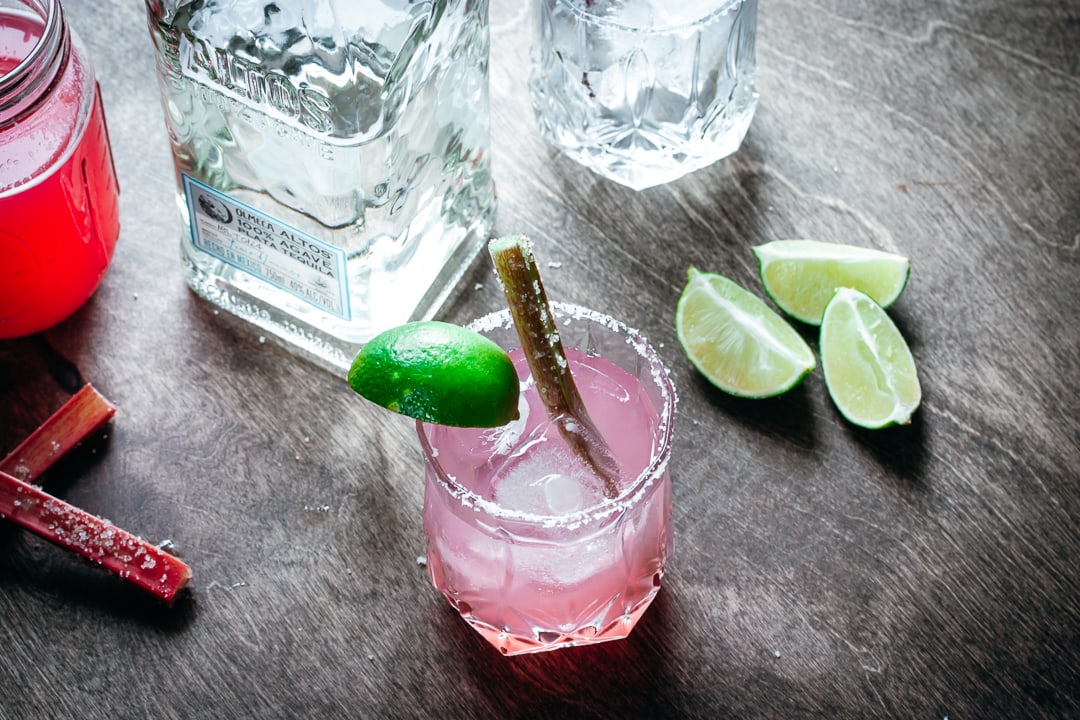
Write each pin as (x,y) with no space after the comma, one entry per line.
(641,161)
(544,639)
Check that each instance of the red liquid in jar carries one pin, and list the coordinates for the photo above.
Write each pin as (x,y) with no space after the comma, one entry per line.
(59,211)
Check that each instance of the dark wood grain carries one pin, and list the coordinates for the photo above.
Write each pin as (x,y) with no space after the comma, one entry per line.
(819,570)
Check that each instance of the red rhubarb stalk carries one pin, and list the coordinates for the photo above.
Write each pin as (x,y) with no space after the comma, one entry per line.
(82,415)
(543,350)
(128,556)
(121,552)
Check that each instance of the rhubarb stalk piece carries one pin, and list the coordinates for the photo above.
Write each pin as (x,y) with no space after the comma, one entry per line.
(542,346)
(128,556)
(82,415)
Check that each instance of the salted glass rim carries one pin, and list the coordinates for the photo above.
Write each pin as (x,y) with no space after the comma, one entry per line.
(635,494)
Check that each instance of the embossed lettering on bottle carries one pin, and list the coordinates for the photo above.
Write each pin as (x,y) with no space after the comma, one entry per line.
(271,91)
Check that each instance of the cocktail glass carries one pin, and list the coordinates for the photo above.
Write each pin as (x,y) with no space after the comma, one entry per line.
(520,536)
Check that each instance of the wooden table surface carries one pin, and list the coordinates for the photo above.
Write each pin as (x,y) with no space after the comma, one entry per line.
(819,570)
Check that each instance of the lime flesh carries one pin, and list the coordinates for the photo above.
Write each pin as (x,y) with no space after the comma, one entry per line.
(869,370)
(737,341)
(800,276)
(439,373)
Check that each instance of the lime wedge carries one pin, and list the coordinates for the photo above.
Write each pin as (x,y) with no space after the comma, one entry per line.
(868,367)
(800,276)
(737,341)
(439,373)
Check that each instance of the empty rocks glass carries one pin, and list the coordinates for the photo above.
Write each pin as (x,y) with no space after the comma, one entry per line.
(645,91)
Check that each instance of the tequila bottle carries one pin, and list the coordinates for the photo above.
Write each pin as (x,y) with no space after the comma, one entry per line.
(331,158)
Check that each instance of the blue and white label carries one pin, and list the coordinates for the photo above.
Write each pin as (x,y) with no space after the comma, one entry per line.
(268,249)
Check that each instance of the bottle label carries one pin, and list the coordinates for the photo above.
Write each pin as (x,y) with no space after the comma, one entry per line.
(267,248)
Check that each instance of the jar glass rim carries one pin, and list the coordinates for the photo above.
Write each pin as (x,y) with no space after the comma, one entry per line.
(18,86)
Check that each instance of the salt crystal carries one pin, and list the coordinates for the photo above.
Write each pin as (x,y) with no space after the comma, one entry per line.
(421,560)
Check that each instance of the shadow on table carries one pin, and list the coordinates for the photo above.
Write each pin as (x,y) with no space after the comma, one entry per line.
(73,581)
(790,415)
(30,567)
(29,564)
(899,450)
(622,678)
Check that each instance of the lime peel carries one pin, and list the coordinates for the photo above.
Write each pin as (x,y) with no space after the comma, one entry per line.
(869,370)
(800,276)
(439,373)
(736,341)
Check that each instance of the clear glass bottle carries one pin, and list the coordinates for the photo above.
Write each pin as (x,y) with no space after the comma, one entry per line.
(331,158)
(59,207)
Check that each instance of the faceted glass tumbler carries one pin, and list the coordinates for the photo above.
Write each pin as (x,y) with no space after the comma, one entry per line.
(645,91)
(531,579)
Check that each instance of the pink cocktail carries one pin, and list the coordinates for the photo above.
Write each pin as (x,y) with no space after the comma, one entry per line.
(521,537)
(59,207)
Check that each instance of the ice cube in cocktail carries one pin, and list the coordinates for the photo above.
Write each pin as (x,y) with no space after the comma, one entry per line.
(521,537)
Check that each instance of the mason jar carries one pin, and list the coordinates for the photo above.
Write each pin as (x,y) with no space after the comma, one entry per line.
(59,208)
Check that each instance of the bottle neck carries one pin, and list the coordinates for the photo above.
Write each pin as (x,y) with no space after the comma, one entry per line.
(23,86)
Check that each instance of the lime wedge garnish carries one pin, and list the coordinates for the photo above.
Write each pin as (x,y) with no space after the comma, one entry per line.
(801,275)
(868,367)
(439,373)
(737,341)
